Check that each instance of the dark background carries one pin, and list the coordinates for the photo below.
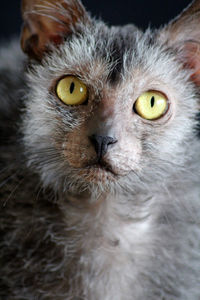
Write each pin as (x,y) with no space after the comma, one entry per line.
(140,12)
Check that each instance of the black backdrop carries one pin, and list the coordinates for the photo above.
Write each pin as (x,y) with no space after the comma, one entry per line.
(140,12)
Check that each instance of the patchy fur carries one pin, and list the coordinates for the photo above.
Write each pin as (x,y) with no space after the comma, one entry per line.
(70,229)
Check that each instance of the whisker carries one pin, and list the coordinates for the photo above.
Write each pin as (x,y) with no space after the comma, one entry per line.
(7,179)
(7,168)
(13,191)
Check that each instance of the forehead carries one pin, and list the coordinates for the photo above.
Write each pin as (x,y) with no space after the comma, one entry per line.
(103,56)
(113,52)
(100,45)
(115,44)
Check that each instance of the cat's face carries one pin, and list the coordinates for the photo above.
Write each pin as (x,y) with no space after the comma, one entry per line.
(137,116)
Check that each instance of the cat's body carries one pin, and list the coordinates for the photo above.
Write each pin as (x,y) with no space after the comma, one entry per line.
(67,235)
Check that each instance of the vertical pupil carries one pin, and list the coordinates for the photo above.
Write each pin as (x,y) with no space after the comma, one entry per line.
(152,101)
(72,87)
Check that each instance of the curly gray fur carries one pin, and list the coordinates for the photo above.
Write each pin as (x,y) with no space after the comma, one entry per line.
(64,238)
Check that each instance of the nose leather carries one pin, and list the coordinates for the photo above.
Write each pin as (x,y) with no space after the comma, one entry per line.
(101,144)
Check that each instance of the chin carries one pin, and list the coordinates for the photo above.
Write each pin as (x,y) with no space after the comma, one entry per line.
(96,174)
(94,180)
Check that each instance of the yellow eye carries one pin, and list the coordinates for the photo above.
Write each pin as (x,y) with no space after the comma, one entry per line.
(72,91)
(151,105)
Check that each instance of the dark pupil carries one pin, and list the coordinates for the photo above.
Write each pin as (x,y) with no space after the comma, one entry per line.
(152,101)
(72,86)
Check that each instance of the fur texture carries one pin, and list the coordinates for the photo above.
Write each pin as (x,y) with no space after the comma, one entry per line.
(71,231)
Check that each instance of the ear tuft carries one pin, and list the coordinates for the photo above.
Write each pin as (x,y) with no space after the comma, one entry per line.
(49,22)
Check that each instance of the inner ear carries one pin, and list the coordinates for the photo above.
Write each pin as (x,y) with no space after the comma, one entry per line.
(190,56)
(48,22)
(183,35)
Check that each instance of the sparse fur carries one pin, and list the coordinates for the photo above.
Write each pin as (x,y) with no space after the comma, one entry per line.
(68,233)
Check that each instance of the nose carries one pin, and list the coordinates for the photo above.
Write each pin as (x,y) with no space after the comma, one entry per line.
(101,144)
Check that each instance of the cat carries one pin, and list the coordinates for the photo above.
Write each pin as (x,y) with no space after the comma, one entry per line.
(99,158)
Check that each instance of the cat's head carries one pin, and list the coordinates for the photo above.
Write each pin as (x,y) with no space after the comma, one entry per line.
(108,106)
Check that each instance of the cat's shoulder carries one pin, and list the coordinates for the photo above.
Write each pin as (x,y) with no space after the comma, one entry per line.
(12,87)
(12,83)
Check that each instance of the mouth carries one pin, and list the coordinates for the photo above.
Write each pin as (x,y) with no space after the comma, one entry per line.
(98,172)
(101,165)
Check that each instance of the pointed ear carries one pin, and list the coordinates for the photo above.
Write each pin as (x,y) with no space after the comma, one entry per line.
(49,21)
(183,34)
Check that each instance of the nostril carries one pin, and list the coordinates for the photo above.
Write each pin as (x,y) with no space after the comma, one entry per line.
(96,141)
(110,140)
(101,144)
